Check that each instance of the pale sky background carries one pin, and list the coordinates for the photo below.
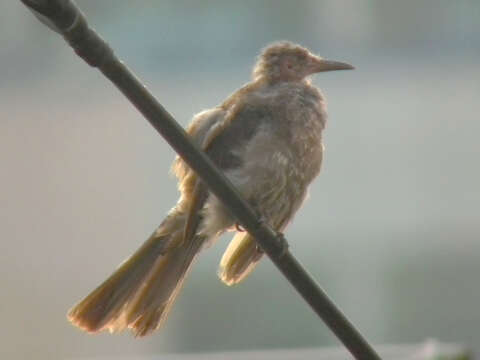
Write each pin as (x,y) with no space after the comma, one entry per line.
(391,228)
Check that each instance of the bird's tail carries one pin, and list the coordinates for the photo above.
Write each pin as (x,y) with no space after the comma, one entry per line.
(240,258)
(140,293)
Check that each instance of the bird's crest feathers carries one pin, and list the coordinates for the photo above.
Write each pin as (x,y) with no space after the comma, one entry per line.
(271,58)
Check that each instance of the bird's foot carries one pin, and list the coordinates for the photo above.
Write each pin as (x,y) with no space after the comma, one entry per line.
(282,244)
(281,247)
(239,227)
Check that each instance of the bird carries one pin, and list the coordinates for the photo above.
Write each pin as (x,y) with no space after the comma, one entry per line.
(266,138)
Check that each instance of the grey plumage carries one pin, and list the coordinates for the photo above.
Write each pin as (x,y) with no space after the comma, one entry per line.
(267,139)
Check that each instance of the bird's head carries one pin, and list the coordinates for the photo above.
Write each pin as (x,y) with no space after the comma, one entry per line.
(285,61)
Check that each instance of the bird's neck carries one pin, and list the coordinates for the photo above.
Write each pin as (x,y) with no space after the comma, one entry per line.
(259,84)
(277,81)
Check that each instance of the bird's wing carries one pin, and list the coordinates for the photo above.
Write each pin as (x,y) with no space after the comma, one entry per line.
(219,133)
(197,130)
(207,125)
(193,192)
(197,200)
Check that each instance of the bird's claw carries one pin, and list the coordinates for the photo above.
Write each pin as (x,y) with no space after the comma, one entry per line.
(239,227)
(282,244)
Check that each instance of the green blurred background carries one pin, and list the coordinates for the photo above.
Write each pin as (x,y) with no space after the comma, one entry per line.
(391,229)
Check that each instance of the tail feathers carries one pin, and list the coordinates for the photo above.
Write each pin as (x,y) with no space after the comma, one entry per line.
(150,306)
(240,259)
(139,294)
(100,309)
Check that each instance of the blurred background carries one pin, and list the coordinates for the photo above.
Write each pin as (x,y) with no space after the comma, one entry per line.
(391,228)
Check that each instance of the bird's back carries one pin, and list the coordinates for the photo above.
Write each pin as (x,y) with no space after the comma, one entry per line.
(272,147)
(286,117)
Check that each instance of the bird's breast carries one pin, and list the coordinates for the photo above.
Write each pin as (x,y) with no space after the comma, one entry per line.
(301,122)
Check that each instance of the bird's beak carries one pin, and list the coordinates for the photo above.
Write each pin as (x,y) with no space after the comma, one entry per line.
(320,65)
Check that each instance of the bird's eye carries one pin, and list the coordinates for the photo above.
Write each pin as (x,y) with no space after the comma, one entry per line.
(289,65)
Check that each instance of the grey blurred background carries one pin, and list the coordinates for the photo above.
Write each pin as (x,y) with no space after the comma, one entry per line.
(391,229)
